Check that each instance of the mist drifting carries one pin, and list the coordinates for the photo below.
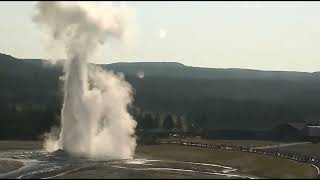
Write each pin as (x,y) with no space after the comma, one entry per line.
(94,119)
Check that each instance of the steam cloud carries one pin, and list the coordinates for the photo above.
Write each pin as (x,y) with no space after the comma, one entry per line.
(94,118)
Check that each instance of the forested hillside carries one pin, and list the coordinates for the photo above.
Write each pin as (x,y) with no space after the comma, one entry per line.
(192,98)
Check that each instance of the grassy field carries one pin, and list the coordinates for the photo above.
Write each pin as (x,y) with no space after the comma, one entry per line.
(304,149)
(243,143)
(247,163)
(23,145)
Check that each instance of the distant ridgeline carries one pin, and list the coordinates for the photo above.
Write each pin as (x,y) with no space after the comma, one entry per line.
(169,95)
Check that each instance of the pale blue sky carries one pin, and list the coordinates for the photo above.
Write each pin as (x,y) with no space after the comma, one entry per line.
(255,35)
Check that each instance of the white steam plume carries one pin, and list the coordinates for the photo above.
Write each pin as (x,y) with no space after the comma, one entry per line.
(94,118)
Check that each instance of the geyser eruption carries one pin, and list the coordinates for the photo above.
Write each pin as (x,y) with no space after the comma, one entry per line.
(94,119)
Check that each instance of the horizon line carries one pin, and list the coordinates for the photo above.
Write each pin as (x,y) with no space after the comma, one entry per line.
(177,62)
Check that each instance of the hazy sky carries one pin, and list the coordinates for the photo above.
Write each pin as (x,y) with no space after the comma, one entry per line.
(255,35)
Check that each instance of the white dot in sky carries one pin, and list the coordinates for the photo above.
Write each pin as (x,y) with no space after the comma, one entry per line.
(140,74)
(163,33)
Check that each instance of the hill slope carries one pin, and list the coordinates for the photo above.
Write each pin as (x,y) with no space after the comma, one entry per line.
(213,98)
